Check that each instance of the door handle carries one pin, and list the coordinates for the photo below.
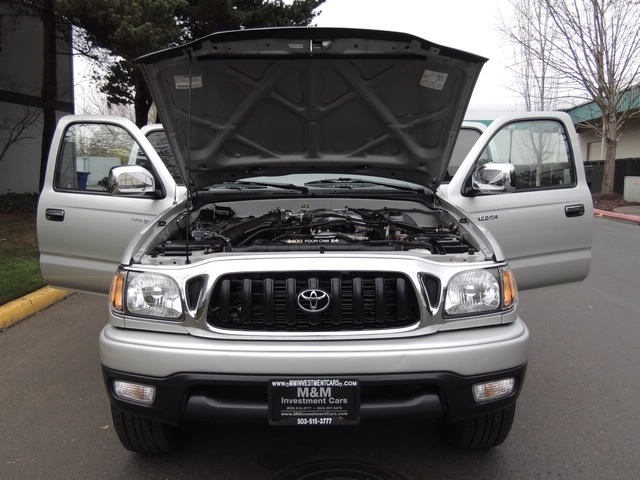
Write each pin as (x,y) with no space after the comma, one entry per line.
(574,210)
(54,214)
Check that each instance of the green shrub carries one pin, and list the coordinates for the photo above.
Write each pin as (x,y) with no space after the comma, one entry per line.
(18,202)
(18,246)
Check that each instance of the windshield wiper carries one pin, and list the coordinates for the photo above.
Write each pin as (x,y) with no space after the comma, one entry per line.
(240,185)
(360,183)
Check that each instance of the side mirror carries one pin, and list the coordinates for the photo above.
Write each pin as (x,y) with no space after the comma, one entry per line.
(130,179)
(494,178)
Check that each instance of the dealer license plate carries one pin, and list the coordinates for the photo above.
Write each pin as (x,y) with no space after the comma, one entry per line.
(314,401)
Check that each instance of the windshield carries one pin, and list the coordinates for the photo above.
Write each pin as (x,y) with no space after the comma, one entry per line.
(158,140)
(467,137)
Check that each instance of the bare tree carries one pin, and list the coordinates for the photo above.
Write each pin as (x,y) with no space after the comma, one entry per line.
(16,128)
(530,31)
(15,125)
(594,47)
(90,100)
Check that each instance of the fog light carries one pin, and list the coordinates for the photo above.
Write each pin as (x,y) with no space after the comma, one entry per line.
(134,392)
(493,390)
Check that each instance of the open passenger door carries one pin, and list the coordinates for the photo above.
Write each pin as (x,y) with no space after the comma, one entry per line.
(524,181)
(84,224)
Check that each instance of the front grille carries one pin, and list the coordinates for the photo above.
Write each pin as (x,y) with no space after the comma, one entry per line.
(268,301)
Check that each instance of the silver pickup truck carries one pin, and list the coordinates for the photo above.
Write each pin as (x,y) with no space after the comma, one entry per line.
(322,263)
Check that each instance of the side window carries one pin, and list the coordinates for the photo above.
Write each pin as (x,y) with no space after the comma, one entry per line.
(88,153)
(538,150)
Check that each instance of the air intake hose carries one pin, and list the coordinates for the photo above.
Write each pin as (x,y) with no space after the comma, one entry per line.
(237,232)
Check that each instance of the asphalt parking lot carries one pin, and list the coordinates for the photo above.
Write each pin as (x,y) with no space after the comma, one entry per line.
(577,418)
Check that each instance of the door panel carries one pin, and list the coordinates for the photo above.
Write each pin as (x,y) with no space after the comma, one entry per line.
(543,222)
(83,229)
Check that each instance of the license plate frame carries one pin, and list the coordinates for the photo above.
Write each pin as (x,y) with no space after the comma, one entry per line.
(314,401)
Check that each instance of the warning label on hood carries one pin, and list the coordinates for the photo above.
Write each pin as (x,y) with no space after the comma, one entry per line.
(182,81)
(433,80)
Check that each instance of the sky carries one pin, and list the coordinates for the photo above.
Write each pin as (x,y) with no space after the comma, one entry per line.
(469,25)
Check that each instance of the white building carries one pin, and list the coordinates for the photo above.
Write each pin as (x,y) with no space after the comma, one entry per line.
(627,153)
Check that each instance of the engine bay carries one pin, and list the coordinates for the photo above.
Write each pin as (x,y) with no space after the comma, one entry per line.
(215,229)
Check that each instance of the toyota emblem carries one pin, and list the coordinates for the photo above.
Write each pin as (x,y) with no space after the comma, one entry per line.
(313,300)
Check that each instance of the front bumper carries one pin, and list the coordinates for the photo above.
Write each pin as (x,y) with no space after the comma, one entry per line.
(193,397)
(199,379)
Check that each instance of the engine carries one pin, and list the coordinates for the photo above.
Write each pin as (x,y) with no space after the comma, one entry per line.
(218,229)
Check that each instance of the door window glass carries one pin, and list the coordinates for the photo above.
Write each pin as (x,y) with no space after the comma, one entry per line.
(88,153)
(538,150)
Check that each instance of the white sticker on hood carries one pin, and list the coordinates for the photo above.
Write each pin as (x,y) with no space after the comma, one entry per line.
(182,81)
(434,80)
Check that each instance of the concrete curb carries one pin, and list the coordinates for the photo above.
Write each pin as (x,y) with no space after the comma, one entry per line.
(32,303)
(621,216)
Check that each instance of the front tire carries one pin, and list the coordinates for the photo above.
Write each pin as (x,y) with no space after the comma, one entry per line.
(481,432)
(141,435)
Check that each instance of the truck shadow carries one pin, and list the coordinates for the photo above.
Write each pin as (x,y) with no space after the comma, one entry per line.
(404,449)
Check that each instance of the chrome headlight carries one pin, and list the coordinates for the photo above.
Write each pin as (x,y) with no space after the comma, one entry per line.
(152,294)
(480,291)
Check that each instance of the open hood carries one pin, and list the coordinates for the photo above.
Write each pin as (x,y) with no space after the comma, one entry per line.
(313,100)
